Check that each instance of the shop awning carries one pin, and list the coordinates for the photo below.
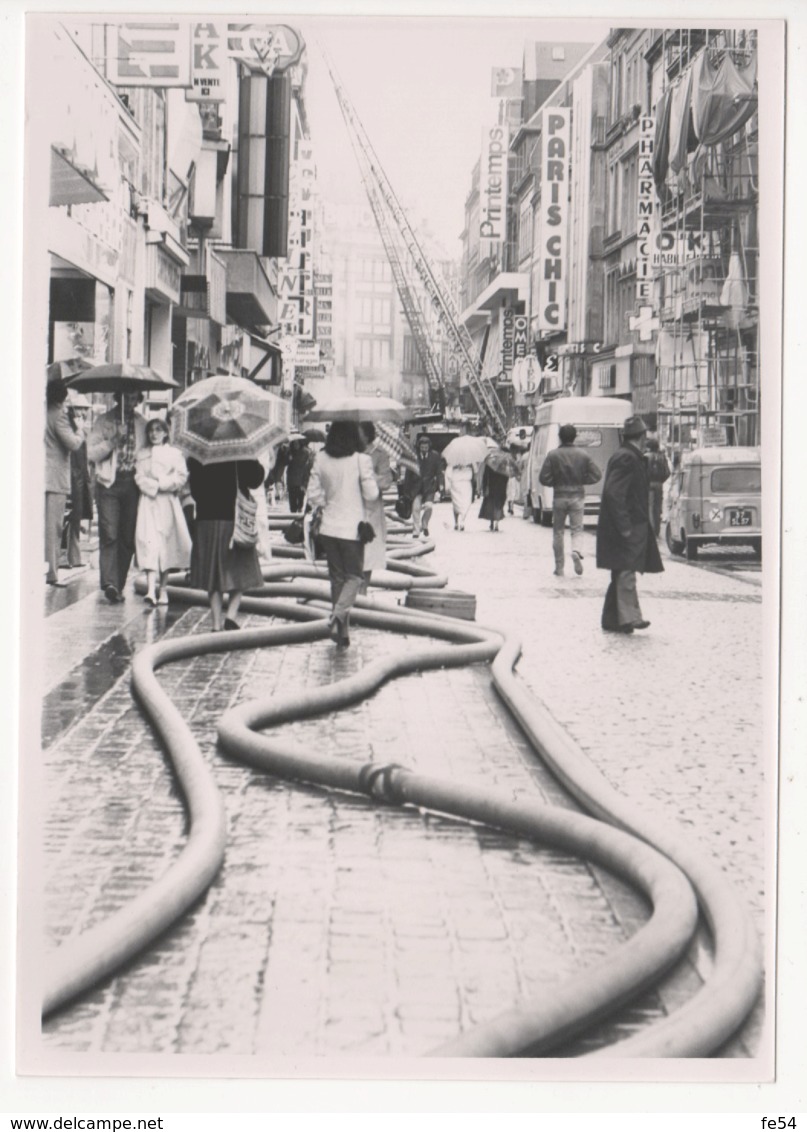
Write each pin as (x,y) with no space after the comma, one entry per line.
(69,184)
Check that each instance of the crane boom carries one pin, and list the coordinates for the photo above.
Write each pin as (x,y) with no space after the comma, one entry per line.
(394,227)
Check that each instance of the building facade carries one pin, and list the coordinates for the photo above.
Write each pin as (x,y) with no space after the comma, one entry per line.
(175,233)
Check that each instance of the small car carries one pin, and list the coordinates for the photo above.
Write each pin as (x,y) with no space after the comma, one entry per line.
(715,496)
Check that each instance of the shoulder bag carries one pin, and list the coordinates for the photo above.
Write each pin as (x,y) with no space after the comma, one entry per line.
(245,525)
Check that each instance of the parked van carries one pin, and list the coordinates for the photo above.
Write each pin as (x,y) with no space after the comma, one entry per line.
(715,497)
(598,421)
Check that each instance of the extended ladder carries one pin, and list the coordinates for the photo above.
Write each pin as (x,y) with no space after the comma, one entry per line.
(393,222)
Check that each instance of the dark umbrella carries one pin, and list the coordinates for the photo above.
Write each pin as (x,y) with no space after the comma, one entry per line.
(120,377)
(315,434)
(501,462)
(65,368)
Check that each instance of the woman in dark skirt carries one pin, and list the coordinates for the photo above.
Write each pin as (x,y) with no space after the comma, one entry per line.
(217,567)
(494,496)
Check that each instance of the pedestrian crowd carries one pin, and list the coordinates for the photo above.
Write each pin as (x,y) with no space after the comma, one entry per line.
(168,511)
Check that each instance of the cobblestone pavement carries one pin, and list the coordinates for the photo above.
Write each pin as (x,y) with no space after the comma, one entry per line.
(340,927)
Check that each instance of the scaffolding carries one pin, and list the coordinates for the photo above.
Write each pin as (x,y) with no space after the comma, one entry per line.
(707,288)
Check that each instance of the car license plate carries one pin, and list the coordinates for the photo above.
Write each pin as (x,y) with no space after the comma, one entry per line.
(740,518)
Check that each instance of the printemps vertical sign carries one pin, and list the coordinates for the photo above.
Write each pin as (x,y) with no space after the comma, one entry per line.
(645,234)
(554,196)
(493,184)
(514,334)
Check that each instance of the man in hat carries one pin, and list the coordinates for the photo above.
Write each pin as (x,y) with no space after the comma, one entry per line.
(567,470)
(626,544)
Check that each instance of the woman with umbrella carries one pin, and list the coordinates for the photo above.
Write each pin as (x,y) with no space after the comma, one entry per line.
(341,482)
(496,470)
(218,566)
(162,542)
(461,456)
(223,424)
(113,444)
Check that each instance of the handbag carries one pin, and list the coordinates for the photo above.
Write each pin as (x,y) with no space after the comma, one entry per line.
(366,532)
(245,525)
(403,507)
(294,532)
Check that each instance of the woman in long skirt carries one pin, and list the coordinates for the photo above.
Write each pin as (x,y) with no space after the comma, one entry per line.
(460,483)
(216,566)
(162,541)
(494,496)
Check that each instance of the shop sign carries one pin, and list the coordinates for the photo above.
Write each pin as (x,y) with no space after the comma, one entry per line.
(514,333)
(645,219)
(505,82)
(270,48)
(552,247)
(150,53)
(208,63)
(493,184)
(163,273)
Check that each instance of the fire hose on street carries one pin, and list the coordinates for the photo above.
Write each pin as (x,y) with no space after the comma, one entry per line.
(623,837)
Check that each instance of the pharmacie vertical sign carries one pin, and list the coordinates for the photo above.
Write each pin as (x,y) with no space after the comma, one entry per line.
(645,206)
(552,249)
(493,186)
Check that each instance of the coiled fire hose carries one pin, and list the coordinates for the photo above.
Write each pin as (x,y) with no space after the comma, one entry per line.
(697,1029)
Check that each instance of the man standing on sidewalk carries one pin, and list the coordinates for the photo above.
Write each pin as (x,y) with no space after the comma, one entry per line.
(113,444)
(625,540)
(567,470)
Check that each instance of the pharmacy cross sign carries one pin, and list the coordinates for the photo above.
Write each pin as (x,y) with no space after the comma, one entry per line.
(645,322)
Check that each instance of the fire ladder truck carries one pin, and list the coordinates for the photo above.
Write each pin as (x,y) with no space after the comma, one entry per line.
(417,279)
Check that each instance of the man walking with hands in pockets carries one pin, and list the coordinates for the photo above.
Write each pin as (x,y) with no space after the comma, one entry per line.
(567,470)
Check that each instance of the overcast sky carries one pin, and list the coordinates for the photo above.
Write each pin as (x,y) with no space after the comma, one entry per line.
(421,87)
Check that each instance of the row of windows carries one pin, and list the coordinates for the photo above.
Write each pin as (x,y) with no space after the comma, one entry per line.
(374,312)
(373,352)
(373,269)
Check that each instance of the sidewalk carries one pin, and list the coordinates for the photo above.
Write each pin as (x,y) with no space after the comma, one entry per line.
(337,926)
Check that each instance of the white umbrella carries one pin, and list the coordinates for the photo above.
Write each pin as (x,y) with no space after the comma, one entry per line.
(465,450)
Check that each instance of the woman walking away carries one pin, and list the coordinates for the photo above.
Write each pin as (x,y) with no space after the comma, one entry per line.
(341,482)
(494,494)
(162,540)
(216,566)
(460,483)
(375,552)
(298,470)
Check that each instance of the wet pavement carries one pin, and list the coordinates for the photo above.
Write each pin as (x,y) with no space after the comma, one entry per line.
(338,926)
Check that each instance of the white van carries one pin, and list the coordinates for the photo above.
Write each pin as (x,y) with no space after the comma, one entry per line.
(598,421)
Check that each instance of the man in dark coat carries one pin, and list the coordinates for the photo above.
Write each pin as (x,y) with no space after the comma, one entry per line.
(421,486)
(625,540)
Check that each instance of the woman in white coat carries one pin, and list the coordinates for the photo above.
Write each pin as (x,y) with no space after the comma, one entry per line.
(375,552)
(162,542)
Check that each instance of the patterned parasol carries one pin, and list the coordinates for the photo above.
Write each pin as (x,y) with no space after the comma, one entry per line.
(227,418)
